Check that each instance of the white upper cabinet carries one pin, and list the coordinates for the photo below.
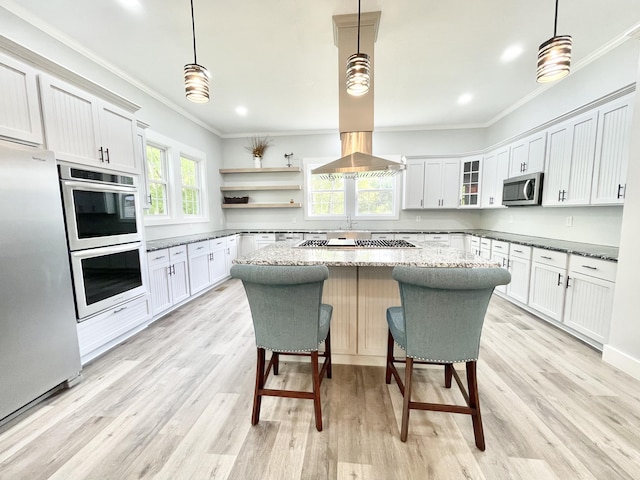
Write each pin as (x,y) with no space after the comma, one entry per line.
(527,155)
(495,168)
(82,128)
(569,163)
(19,109)
(612,152)
(470,182)
(432,183)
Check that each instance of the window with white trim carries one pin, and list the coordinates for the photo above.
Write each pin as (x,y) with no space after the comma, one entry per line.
(176,175)
(360,198)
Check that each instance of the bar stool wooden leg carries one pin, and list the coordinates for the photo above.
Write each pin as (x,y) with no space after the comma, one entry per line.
(406,400)
(448,373)
(316,390)
(257,396)
(474,403)
(276,362)
(389,358)
(327,352)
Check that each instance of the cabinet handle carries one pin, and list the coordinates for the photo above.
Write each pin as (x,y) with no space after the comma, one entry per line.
(421,202)
(159,258)
(568,278)
(545,257)
(498,247)
(589,267)
(564,195)
(199,248)
(621,187)
(559,279)
(503,262)
(101,154)
(435,238)
(518,251)
(106,155)
(118,310)
(559,195)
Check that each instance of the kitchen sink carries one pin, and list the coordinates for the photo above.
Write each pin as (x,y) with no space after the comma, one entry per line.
(355,234)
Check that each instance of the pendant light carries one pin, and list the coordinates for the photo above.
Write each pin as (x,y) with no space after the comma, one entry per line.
(554,56)
(358,69)
(196,77)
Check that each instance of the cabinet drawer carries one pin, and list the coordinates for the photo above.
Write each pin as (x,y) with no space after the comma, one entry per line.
(382,236)
(475,242)
(550,257)
(499,246)
(231,240)
(412,237)
(318,236)
(520,251)
(198,248)
(593,267)
(436,237)
(178,253)
(266,236)
(158,257)
(217,243)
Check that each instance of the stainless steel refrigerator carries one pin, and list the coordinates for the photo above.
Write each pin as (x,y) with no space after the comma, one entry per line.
(38,338)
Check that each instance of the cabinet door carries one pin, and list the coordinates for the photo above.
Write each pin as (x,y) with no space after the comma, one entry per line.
(179,273)
(520,270)
(547,290)
(470,182)
(583,144)
(489,175)
(218,263)
(198,266)
(450,183)
(557,165)
(232,252)
(504,261)
(433,183)
(20,112)
(502,172)
(518,160)
(527,155)
(71,122)
(589,306)
(413,184)
(612,153)
(159,268)
(118,138)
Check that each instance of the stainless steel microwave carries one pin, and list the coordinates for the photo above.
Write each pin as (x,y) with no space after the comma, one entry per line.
(523,190)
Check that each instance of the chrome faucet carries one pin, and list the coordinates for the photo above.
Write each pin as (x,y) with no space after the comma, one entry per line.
(350,223)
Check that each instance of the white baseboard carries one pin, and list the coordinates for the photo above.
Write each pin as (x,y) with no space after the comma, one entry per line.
(621,361)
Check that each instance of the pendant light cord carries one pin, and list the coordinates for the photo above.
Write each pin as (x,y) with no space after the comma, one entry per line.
(359,24)
(193,29)
(555,22)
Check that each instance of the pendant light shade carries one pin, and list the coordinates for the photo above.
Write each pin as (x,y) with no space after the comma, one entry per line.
(554,56)
(358,69)
(196,77)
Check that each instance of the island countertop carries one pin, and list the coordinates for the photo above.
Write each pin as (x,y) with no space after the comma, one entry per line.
(428,255)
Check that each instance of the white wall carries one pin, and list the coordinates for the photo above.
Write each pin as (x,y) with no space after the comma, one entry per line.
(153,112)
(623,349)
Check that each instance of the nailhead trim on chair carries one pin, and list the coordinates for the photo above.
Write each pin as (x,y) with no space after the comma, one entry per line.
(439,361)
(288,351)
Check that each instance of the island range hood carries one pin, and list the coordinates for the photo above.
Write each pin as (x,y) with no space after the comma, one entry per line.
(356,113)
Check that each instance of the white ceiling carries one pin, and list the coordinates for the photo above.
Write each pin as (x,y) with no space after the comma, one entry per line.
(277,57)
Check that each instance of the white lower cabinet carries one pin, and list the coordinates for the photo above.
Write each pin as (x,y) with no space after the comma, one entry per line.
(459,241)
(520,269)
(547,284)
(589,302)
(217,260)
(500,253)
(169,277)
(198,266)
(107,329)
(264,239)
(232,252)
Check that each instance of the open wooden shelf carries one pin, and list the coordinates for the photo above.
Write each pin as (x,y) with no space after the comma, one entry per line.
(247,188)
(261,205)
(260,170)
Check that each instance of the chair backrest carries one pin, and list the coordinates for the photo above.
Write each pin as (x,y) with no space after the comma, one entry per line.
(285,304)
(444,309)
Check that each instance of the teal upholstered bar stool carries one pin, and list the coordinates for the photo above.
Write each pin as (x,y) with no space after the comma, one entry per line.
(440,322)
(289,318)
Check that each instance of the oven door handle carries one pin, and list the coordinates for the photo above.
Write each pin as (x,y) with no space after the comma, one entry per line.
(96,252)
(525,189)
(102,187)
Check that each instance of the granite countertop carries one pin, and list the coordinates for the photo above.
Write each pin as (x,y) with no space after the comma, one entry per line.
(430,255)
(603,252)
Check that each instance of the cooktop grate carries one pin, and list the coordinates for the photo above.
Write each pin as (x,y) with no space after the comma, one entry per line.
(358,243)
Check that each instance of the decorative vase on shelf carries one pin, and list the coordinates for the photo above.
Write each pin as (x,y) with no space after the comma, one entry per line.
(257,161)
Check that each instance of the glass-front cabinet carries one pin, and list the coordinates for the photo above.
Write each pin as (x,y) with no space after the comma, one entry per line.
(470,182)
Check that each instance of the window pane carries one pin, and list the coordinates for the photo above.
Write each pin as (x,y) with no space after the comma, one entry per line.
(190,201)
(158,199)
(375,203)
(155,168)
(188,172)
(327,203)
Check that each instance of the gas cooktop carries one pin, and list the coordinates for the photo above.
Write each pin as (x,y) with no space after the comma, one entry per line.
(356,243)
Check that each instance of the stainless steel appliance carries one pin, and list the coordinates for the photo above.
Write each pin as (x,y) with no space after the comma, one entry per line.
(107,276)
(523,190)
(104,234)
(38,338)
(100,207)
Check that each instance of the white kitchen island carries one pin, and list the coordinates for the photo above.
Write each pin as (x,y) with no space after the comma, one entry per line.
(360,288)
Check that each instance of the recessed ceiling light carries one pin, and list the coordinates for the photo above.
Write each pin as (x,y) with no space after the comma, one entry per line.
(241,110)
(464,98)
(511,53)
(132,5)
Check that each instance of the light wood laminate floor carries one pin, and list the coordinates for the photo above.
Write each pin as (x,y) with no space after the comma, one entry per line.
(174,402)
